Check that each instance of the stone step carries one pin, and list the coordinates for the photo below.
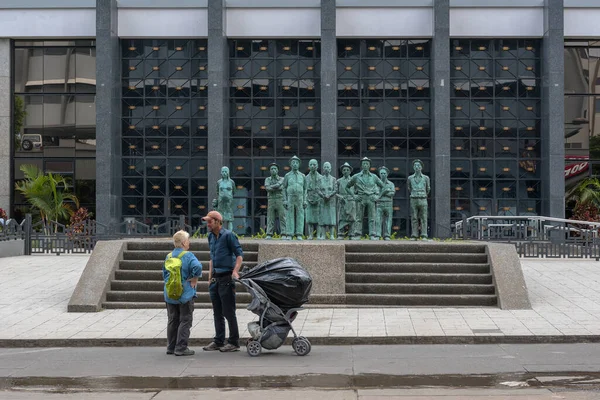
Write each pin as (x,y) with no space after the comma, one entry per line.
(443,300)
(416,257)
(418,288)
(167,245)
(413,247)
(150,304)
(156,285)
(418,267)
(149,265)
(158,296)
(374,277)
(161,255)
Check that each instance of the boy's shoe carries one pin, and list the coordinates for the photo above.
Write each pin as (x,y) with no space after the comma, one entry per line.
(186,352)
(212,347)
(229,348)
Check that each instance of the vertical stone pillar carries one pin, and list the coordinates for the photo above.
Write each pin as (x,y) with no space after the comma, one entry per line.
(6,133)
(553,110)
(329,85)
(108,109)
(218,96)
(440,87)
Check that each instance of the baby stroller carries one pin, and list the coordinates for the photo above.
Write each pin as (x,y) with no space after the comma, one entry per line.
(278,288)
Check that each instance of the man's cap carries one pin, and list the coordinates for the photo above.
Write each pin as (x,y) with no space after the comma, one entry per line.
(385,168)
(365,159)
(417,161)
(346,165)
(273,164)
(294,158)
(213,215)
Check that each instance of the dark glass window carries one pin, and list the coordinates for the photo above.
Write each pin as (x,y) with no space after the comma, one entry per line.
(54,113)
(495,117)
(384,110)
(275,113)
(164,129)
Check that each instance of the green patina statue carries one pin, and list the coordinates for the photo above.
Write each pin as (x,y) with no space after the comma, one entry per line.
(313,179)
(419,188)
(367,186)
(327,191)
(224,201)
(275,209)
(294,200)
(347,202)
(385,204)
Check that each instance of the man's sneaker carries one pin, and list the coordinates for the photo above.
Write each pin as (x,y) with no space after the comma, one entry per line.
(212,347)
(229,347)
(186,352)
(169,351)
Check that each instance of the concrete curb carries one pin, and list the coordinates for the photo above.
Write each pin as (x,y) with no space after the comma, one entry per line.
(316,341)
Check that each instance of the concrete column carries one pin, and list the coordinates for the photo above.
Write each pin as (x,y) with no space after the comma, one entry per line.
(108,110)
(440,86)
(218,95)
(553,117)
(329,146)
(6,134)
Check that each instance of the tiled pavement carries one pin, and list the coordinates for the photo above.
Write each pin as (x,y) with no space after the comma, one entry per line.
(35,290)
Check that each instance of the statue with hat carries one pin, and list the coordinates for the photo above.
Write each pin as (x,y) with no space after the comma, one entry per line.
(294,200)
(385,204)
(224,201)
(367,186)
(347,203)
(313,198)
(327,212)
(275,209)
(419,187)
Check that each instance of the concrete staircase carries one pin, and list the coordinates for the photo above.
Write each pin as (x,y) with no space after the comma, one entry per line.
(138,280)
(418,274)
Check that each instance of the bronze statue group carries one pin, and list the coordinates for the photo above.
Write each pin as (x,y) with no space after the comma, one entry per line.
(323,203)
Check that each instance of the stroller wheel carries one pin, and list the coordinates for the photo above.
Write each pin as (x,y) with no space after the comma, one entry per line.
(254,348)
(301,346)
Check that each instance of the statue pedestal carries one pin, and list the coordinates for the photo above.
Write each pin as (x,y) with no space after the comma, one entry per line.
(325,261)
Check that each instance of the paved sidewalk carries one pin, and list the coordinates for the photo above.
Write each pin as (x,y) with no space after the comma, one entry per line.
(565,295)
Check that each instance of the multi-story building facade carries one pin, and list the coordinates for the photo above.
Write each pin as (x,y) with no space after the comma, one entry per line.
(141,102)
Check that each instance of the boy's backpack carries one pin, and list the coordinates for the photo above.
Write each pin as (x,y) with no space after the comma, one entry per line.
(174,284)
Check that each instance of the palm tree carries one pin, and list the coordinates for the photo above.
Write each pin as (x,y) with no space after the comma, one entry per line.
(48,193)
(587,191)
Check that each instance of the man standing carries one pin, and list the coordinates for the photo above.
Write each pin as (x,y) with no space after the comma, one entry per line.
(294,200)
(347,203)
(313,181)
(274,187)
(385,204)
(180,310)
(225,261)
(419,187)
(327,213)
(368,187)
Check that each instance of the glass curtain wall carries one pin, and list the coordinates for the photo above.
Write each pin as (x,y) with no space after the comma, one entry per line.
(384,110)
(275,113)
(54,114)
(582,107)
(495,138)
(164,130)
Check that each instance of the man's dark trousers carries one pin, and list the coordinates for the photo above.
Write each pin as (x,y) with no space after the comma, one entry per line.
(179,325)
(222,295)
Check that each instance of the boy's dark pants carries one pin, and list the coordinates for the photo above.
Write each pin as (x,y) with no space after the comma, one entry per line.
(222,296)
(179,325)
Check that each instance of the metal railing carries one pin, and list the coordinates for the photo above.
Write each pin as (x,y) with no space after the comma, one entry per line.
(56,238)
(534,236)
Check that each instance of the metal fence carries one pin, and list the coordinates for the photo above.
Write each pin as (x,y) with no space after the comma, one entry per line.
(56,238)
(535,236)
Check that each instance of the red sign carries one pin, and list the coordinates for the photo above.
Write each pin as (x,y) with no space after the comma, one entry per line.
(578,166)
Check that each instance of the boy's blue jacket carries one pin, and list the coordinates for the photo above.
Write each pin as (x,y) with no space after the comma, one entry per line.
(190,268)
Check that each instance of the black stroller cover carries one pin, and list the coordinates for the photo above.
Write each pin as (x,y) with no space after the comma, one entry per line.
(286,283)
